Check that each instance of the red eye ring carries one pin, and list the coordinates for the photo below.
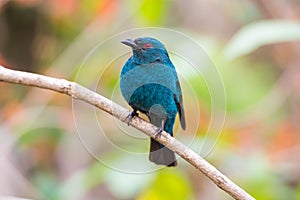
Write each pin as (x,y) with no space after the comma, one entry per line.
(148,45)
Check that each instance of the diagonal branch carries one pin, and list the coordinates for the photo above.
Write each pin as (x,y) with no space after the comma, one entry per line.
(79,92)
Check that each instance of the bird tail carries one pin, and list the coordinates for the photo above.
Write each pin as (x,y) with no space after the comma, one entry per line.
(161,155)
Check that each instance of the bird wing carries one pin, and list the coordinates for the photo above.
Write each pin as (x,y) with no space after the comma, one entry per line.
(179,104)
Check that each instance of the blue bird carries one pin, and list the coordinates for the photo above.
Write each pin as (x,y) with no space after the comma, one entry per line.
(149,84)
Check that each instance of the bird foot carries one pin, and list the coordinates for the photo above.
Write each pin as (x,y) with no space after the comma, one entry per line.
(160,129)
(130,116)
(158,132)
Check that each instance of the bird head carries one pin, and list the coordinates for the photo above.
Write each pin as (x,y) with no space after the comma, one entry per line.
(147,50)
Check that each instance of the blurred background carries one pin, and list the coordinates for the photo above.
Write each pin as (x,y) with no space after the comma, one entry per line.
(255,46)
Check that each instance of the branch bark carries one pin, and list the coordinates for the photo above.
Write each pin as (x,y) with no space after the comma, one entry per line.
(79,92)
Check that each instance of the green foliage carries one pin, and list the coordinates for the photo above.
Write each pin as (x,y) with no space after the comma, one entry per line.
(152,12)
(82,181)
(260,33)
(169,184)
(298,192)
(246,83)
(49,134)
(47,184)
(126,185)
(262,181)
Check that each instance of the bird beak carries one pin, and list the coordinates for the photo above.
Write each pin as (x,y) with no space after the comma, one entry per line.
(131,43)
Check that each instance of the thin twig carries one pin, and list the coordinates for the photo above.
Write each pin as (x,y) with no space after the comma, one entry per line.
(78,92)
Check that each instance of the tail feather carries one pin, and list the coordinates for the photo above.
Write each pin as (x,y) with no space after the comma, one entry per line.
(161,155)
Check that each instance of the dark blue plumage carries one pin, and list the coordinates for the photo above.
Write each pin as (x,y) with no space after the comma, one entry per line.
(149,84)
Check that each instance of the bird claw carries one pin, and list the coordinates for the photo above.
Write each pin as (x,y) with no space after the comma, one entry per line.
(158,132)
(130,116)
(160,129)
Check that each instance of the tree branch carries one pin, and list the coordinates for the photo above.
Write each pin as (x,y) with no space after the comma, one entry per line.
(79,92)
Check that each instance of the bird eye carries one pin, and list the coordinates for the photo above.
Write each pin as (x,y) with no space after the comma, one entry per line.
(148,45)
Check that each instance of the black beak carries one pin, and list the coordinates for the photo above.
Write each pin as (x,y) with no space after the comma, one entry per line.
(131,43)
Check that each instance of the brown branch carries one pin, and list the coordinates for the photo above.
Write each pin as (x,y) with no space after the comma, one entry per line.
(76,91)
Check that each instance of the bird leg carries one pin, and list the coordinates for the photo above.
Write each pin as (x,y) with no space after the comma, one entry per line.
(131,115)
(160,129)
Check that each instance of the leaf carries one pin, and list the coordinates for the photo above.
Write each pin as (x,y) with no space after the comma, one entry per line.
(261,33)
(169,184)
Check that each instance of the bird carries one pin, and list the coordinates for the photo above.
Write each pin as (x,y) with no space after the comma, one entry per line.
(150,85)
